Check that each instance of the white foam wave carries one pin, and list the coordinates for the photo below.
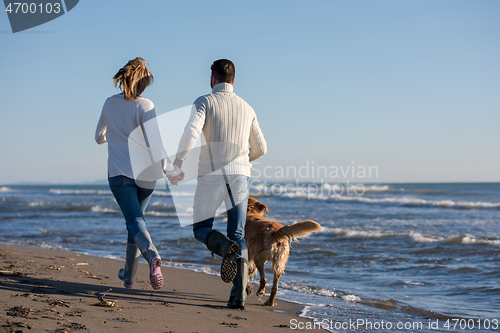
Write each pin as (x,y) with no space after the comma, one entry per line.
(60,191)
(362,233)
(201,269)
(416,236)
(37,203)
(355,193)
(310,290)
(470,239)
(351,298)
(99,209)
(353,233)
(114,257)
(52,247)
(408,201)
(162,193)
(5,189)
(166,214)
(464,240)
(334,230)
(376,188)
(414,283)
(421,238)
(160,204)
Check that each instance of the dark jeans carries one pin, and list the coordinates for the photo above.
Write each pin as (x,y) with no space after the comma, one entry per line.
(211,191)
(133,200)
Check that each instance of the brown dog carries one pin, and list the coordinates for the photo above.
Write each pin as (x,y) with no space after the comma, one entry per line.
(270,241)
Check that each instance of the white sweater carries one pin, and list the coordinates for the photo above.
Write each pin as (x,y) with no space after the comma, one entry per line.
(134,142)
(229,124)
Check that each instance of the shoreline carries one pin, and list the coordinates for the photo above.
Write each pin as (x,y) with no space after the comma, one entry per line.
(57,291)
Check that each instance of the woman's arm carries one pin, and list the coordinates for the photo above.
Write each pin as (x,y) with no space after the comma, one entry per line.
(100,132)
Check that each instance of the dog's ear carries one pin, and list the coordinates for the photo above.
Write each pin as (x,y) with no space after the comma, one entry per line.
(262,207)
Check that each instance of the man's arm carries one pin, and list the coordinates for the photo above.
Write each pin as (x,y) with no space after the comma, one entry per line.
(191,132)
(258,146)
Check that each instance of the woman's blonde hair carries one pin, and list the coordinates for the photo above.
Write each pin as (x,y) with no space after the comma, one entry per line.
(133,78)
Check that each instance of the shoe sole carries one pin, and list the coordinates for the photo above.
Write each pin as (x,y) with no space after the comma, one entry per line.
(237,305)
(229,267)
(155,276)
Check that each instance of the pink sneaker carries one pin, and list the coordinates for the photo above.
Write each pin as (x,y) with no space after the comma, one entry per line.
(155,276)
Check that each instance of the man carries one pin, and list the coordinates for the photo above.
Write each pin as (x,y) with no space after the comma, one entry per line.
(228,124)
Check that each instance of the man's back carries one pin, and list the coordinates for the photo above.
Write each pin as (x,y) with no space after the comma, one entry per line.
(229,124)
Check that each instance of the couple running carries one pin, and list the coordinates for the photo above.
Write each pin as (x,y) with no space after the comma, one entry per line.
(228,126)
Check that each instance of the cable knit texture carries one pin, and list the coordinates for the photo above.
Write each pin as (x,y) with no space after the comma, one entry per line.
(228,124)
(124,124)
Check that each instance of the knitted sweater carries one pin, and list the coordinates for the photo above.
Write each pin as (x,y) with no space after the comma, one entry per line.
(135,148)
(229,125)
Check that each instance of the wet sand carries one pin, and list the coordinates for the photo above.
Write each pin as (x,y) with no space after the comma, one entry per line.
(55,291)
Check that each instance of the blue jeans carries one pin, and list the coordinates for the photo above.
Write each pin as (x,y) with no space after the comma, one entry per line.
(211,191)
(133,200)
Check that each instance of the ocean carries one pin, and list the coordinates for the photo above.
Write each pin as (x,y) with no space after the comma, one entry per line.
(405,257)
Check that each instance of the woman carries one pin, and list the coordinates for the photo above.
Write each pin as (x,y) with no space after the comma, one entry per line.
(132,144)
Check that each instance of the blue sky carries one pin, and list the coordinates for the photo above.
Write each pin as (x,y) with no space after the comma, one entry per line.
(411,87)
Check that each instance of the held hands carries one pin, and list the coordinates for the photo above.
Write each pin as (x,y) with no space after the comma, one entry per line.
(173,171)
(175,175)
(174,180)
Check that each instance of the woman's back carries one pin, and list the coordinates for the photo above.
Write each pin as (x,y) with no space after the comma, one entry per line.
(119,119)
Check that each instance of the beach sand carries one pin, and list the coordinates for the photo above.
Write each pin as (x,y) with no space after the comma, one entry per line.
(45,290)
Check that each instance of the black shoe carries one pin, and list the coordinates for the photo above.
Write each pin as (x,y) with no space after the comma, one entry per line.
(239,290)
(220,244)
(238,304)
(228,268)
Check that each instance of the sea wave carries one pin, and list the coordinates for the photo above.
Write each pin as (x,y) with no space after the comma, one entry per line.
(356,194)
(457,239)
(471,239)
(5,189)
(304,289)
(173,193)
(37,203)
(163,206)
(415,202)
(99,209)
(415,236)
(339,232)
(365,188)
(79,192)
(55,206)
(166,214)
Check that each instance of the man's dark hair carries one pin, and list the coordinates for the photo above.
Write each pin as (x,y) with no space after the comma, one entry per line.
(223,70)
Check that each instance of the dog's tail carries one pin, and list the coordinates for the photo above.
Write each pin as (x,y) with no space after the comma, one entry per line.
(297,230)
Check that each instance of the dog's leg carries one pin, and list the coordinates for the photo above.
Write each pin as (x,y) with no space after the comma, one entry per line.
(262,286)
(251,271)
(274,291)
(251,268)
(280,258)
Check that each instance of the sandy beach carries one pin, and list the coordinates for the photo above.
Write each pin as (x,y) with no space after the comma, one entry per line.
(55,291)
